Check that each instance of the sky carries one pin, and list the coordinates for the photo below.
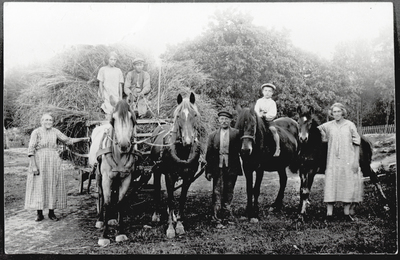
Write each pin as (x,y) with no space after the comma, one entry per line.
(34,32)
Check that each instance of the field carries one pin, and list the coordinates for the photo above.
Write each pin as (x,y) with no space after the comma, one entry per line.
(374,230)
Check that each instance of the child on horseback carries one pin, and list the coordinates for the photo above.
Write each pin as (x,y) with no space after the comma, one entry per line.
(110,83)
(266,109)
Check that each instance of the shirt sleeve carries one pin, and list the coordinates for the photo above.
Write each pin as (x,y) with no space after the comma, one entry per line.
(33,143)
(322,128)
(354,134)
(121,76)
(100,75)
(257,108)
(62,137)
(272,111)
(127,84)
(146,83)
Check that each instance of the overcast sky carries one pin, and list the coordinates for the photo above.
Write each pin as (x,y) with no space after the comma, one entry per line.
(37,31)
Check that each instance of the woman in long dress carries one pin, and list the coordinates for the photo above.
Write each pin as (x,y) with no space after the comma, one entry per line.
(45,187)
(343,180)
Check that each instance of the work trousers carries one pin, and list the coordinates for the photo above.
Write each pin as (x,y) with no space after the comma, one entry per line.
(223,186)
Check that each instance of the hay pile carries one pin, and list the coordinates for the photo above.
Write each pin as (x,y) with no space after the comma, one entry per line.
(67,88)
(184,78)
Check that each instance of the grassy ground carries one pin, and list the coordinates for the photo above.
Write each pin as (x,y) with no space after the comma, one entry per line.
(374,230)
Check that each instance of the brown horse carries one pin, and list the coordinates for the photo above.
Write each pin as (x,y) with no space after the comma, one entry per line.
(258,156)
(313,156)
(176,153)
(116,164)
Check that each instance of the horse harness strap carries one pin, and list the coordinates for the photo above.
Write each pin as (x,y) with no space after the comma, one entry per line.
(108,152)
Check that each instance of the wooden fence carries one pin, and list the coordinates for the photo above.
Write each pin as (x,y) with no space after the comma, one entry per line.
(378,129)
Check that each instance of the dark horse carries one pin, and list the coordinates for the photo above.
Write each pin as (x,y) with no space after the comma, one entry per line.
(313,156)
(257,156)
(176,153)
(114,150)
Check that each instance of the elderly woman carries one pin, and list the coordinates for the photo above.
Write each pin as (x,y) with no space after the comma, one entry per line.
(45,187)
(343,181)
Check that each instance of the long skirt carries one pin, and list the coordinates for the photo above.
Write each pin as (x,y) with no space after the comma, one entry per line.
(46,190)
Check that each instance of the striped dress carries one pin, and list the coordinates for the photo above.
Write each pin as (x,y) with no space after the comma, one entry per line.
(341,183)
(46,190)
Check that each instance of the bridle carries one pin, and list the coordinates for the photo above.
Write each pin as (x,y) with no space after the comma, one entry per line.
(252,137)
(176,129)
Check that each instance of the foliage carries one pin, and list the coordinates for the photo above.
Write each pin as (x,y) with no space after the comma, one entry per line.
(240,57)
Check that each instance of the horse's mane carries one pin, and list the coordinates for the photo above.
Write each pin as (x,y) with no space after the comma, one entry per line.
(249,113)
(122,109)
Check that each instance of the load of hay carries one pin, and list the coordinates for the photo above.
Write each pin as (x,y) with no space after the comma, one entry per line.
(67,88)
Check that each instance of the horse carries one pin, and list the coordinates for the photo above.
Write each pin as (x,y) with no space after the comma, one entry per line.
(257,150)
(313,156)
(176,153)
(115,152)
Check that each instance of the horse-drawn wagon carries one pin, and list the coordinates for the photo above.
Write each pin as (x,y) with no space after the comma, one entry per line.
(126,152)
(86,171)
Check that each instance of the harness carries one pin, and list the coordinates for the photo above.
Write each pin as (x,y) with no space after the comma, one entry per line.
(113,157)
(252,137)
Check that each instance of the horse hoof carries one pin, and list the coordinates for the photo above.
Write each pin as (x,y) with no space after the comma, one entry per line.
(103,242)
(220,226)
(170,232)
(121,238)
(112,222)
(254,220)
(180,230)
(155,218)
(99,224)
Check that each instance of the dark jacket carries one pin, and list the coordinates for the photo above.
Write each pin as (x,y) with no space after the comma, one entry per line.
(212,154)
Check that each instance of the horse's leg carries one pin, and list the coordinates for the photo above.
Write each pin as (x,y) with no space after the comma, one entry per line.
(277,205)
(256,191)
(367,170)
(157,196)
(249,191)
(169,182)
(121,199)
(100,202)
(306,179)
(180,230)
(106,187)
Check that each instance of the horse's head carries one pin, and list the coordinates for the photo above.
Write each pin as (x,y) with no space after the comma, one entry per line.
(305,122)
(247,125)
(123,121)
(186,117)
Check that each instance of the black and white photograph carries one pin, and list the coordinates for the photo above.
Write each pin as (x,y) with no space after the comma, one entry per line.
(199,128)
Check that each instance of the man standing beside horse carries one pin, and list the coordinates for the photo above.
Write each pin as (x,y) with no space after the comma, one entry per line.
(223,164)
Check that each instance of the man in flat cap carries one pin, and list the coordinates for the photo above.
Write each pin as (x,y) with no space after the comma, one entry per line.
(137,86)
(223,165)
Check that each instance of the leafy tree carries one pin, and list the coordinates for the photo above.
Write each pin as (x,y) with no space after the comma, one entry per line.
(240,57)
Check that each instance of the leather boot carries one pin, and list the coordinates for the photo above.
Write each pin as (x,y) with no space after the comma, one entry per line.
(39,216)
(52,216)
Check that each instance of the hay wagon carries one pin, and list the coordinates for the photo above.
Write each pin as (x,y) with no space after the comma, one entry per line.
(85,171)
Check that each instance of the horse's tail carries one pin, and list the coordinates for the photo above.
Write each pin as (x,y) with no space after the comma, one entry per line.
(366,147)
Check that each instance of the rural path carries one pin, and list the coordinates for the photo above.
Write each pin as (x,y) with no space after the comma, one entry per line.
(25,236)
